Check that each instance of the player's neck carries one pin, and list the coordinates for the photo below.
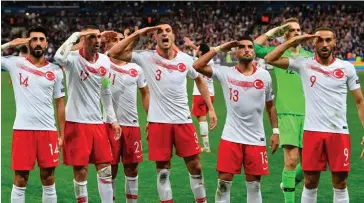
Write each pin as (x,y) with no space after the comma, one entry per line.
(295,50)
(246,68)
(325,62)
(37,62)
(89,55)
(167,53)
(117,62)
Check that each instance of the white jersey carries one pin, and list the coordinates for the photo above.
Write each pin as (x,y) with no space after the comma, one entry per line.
(125,80)
(245,98)
(209,82)
(34,91)
(325,89)
(167,85)
(84,87)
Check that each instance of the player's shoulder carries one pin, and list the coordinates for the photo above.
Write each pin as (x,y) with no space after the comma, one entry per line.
(13,58)
(263,72)
(185,56)
(344,64)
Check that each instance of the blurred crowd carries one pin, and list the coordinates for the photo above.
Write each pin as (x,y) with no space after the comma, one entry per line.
(203,22)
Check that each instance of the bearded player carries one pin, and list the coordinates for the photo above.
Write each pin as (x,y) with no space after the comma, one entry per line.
(126,79)
(169,117)
(86,140)
(36,82)
(291,112)
(247,90)
(326,137)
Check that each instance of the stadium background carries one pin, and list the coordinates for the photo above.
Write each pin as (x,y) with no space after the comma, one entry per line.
(211,22)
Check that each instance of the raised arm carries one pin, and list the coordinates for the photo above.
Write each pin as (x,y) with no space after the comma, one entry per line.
(200,65)
(62,53)
(275,57)
(272,33)
(15,43)
(122,50)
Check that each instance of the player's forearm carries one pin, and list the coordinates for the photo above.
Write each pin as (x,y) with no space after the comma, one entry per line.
(202,61)
(62,53)
(61,116)
(204,90)
(108,106)
(122,50)
(277,53)
(5,46)
(272,114)
(261,39)
(145,99)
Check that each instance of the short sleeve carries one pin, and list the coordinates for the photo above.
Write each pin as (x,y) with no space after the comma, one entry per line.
(59,89)
(192,73)
(141,82)
(353,81)
(6,62)
(296,63)
(269,93)
(136,58)
(217,73)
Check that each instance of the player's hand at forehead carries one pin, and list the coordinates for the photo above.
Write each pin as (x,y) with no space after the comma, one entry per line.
(89,32)
(302,39)
(19,42)
(278,31)
(108,34)
(148,30)
(229,45)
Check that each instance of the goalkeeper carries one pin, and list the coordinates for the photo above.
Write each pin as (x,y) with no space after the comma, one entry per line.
(290,104)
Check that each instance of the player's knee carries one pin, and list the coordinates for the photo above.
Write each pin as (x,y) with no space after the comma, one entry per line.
(195,167)
(21,181)
(339,181)
(291,163)
(80,173)
(47,180)
(131,170)
(223,186)
(311,183)
(105,172)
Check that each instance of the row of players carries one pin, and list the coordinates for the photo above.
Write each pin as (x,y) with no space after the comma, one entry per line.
(92,76)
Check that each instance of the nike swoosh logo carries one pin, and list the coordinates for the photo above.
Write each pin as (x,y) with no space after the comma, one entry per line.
(346,164)
(139,156)
(55,160)
(265,168)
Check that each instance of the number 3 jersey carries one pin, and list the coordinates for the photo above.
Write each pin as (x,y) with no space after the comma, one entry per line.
(34,91)
(125,81)
(325,89)
(245,98)
(167,85)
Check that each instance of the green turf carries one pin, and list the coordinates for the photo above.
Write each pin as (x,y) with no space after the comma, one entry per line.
(179,175)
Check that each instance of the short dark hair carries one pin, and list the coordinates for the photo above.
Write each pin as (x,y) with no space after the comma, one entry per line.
(204,48)
(91,27)
(325,29)
(246,38)
(290,20)
(38,28)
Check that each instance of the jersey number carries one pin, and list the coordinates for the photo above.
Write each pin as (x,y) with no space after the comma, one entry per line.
(158,75)
(137,145)
(264,157)
(112,78)
(56,151)
(234,95)
(23,82)
(289,71)
(84,75)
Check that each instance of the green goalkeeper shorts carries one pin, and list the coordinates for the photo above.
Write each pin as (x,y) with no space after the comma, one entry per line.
(290,129)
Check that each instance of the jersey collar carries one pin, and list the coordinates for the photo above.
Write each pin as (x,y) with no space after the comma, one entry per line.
(175,52)
(254,69)
(80,51)
(45,61)
(331,62)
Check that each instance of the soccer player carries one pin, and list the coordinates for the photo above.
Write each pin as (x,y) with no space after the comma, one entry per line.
(169,117)
(86,139)
(326,136)
(126,78)
(247,90)
(291,112)
(36,83)
(199,106)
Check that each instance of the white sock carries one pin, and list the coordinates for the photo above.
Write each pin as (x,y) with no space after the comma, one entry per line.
(80,191)
(253,192)
(198,188)
(341,195)
(204,132)
(104,183)
(164,186)
(131,189)
(113,189)
(223,191)
(49,194)
(17,194)
(309,195)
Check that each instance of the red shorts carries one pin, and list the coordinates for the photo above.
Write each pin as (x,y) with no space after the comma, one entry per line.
(31,145)
(85,143)
(129,146)
(322,147)
(162,137)
(232,156)
(199,106)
